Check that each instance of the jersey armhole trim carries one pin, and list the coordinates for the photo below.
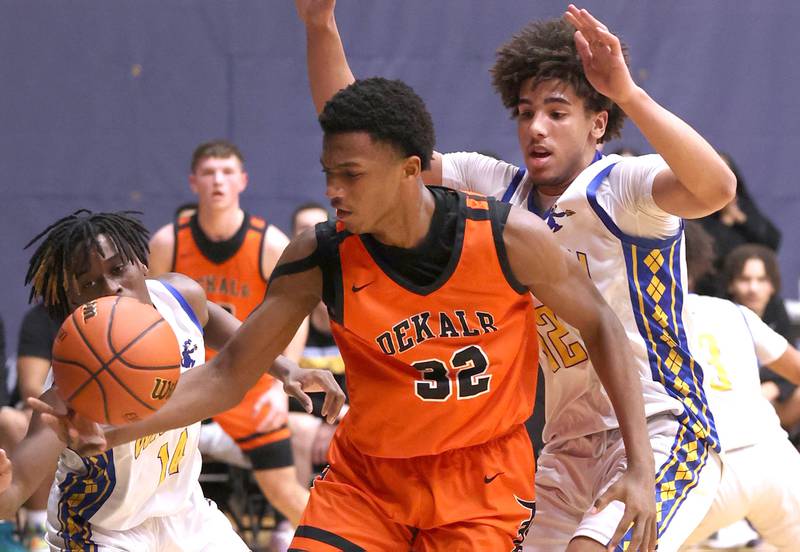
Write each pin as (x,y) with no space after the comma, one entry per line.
(591,196)
(499,215)
(513,185)
(183,303)
(301,265)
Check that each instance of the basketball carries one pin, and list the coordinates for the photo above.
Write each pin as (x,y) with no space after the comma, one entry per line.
(115,360)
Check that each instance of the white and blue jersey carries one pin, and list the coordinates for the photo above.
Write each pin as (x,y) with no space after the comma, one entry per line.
(634,253)
(152,477)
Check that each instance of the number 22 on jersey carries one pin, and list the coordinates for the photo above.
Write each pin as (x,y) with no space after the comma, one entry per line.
(561,347)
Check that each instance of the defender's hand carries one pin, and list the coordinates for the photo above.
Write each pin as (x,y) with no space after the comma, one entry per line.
(601,56)
(80,434)
(298,381)
(636,489)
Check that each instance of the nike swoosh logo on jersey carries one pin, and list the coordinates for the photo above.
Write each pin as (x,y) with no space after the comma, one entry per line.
(356,288)
(488,480)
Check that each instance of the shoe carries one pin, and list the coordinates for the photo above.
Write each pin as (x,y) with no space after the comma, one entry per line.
(34,538)
(8,540)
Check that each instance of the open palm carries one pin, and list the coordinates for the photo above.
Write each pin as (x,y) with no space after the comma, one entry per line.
(601,55)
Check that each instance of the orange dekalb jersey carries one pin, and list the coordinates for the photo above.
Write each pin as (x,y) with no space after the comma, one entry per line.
(437,367)
(229,271)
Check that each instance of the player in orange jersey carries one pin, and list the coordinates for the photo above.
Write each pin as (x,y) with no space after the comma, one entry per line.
(428,290)
(231,253)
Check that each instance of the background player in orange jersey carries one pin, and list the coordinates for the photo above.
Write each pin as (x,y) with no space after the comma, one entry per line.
(428,290)
(231,253)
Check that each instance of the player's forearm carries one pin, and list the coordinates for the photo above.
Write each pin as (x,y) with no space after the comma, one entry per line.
(34,458)
(695,163)
(201,393)
(328,71)
(788,365)
(611,357)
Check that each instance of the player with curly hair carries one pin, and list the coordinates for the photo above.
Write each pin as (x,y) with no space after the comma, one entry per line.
(568,87)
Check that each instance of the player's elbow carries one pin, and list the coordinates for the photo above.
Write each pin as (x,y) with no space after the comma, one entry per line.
(720,188)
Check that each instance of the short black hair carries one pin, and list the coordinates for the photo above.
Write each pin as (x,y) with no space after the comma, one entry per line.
(388,110)
(51,265)
(546,50)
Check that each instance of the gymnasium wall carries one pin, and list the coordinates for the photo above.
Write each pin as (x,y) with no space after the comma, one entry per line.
(101,103)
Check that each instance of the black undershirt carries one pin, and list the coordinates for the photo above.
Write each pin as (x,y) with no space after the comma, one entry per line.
(424,263)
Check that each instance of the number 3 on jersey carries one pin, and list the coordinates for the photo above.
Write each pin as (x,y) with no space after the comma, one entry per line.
(468,365)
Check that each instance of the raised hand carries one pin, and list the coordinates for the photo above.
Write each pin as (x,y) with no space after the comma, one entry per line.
(315,12)
(601,56)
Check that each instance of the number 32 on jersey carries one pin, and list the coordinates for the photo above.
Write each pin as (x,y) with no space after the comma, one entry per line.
(469,377)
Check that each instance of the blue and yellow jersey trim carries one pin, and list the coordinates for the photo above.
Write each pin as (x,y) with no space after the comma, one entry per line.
(656,293)
(675,479)
(81,497)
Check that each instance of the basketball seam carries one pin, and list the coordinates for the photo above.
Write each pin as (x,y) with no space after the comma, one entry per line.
(116,356)
(93,377)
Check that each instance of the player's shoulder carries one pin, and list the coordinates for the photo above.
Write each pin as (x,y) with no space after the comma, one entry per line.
(635,167)
(192,292)
(164,236)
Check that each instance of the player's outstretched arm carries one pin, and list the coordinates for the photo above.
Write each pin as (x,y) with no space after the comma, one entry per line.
(328,70)
(221,383)
(33,458)
(698,181)
(560,282)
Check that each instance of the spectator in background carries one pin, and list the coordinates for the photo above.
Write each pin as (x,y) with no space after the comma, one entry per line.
(36,336)
(752,278)
(8,436)
(738,223)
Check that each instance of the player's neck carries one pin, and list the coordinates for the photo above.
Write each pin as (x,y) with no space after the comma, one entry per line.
(220,225)
(548,193)
(407,227)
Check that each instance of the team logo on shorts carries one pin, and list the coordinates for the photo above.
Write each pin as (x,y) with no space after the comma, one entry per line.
(525,526)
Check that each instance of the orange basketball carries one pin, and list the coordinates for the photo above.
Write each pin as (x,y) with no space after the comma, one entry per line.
(116,360)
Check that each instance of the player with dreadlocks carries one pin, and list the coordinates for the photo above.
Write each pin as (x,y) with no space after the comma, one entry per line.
(107,501)
(50,265)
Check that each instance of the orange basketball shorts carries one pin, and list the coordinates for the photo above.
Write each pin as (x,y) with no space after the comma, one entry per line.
(240,421)
(474,498)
